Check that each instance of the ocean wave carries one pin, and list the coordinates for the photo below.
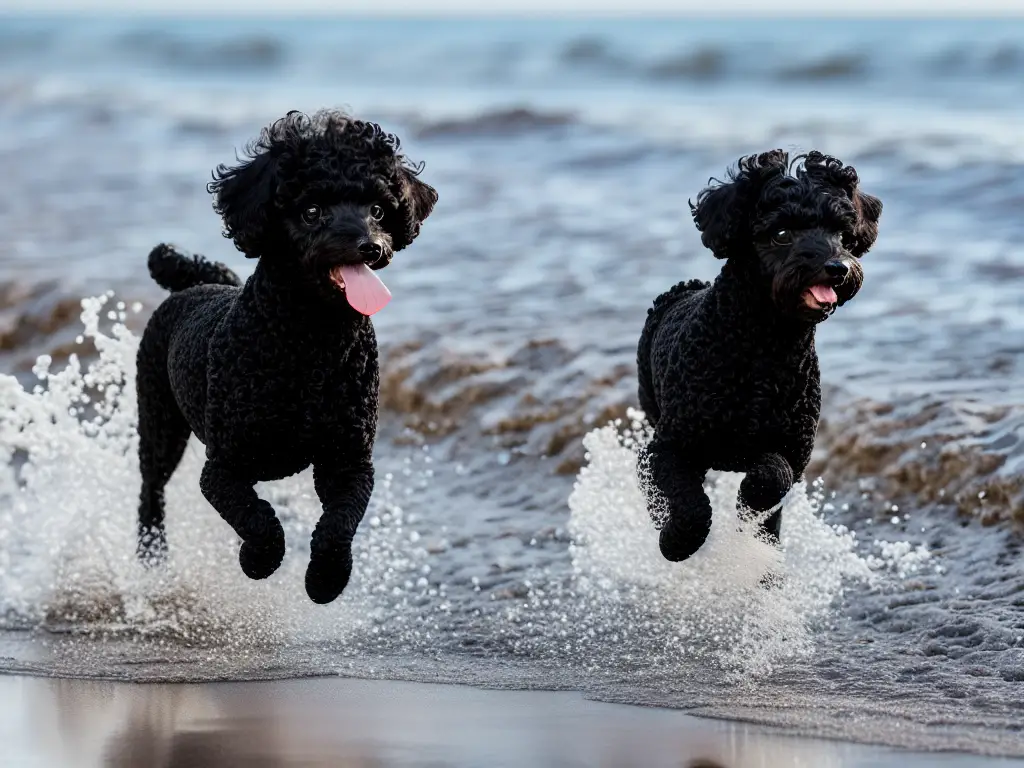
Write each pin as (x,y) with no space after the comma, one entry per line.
(705,63)
(840,66)
(250,52)
(962,454)
(1008,59)
(665,53)
(495,123)
(36,319)
(591,51)
(701,62)
(866,61)
(965,455)
(998,60)
(505,399)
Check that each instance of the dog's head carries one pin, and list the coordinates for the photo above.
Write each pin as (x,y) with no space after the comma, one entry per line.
(801,227)
(316,193)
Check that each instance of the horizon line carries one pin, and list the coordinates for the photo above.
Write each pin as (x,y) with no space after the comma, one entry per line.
(892,14)
(540,9)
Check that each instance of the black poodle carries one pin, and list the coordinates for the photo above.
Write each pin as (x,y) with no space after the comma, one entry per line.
(728,371)
(281,372)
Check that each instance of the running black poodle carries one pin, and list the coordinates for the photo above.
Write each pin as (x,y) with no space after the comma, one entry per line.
(282,372)
(728,371)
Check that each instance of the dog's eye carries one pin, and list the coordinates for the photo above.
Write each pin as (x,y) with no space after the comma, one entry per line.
(376,212)
(311,215)
(782,237)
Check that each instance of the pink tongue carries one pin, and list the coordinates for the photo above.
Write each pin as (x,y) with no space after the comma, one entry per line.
(363,289)
(824,294)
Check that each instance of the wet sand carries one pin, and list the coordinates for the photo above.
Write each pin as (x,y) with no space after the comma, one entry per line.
(349,722)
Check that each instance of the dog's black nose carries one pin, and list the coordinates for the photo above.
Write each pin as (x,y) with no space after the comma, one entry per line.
(370,250)
(836,269)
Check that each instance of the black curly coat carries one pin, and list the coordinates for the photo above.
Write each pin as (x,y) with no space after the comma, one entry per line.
(280,373)
(728,371)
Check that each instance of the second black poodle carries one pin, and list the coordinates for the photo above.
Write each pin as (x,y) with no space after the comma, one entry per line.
(728,370)
(280,373)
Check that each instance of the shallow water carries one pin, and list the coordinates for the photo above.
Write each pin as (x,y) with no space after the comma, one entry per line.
(564,155)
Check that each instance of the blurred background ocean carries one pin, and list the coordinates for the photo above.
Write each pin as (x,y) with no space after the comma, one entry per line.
(565,149)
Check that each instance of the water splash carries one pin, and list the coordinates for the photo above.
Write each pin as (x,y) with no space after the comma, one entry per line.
(68,493)
(68,490)
(713,606)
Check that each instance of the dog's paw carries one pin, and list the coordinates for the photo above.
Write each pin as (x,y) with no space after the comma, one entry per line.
(260,558)
(152,547)
(680,542)
(328,573)
(766,484)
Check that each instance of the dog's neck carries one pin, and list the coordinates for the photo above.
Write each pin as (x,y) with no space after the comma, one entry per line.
(742,301)
(280,295)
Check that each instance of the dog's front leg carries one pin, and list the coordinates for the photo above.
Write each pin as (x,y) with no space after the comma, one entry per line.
(768,480)
(681,482)
(344,491)
(252,518)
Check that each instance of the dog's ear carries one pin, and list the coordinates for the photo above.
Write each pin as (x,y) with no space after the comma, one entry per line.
(244,196)
(416,200)
(869,210)
(724,211)
(830,171)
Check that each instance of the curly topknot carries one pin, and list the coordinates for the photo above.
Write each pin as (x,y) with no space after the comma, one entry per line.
(328,153)
(815,185)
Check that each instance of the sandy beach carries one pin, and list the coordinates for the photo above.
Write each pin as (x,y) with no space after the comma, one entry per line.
(349,722)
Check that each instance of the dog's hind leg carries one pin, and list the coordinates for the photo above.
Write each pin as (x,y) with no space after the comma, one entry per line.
(163,435)
(768,480)
(344,490)
(681,483)
(252,518)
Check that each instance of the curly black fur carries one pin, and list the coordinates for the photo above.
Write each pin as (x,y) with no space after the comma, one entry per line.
(728,371)
(280,373)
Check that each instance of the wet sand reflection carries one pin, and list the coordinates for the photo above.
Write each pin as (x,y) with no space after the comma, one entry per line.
(382,724)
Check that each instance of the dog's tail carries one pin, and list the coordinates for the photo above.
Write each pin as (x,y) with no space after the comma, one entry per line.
(175,271)
(668,298)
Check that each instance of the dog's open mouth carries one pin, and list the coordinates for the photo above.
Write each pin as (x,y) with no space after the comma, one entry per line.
(365,292)
(820,296)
